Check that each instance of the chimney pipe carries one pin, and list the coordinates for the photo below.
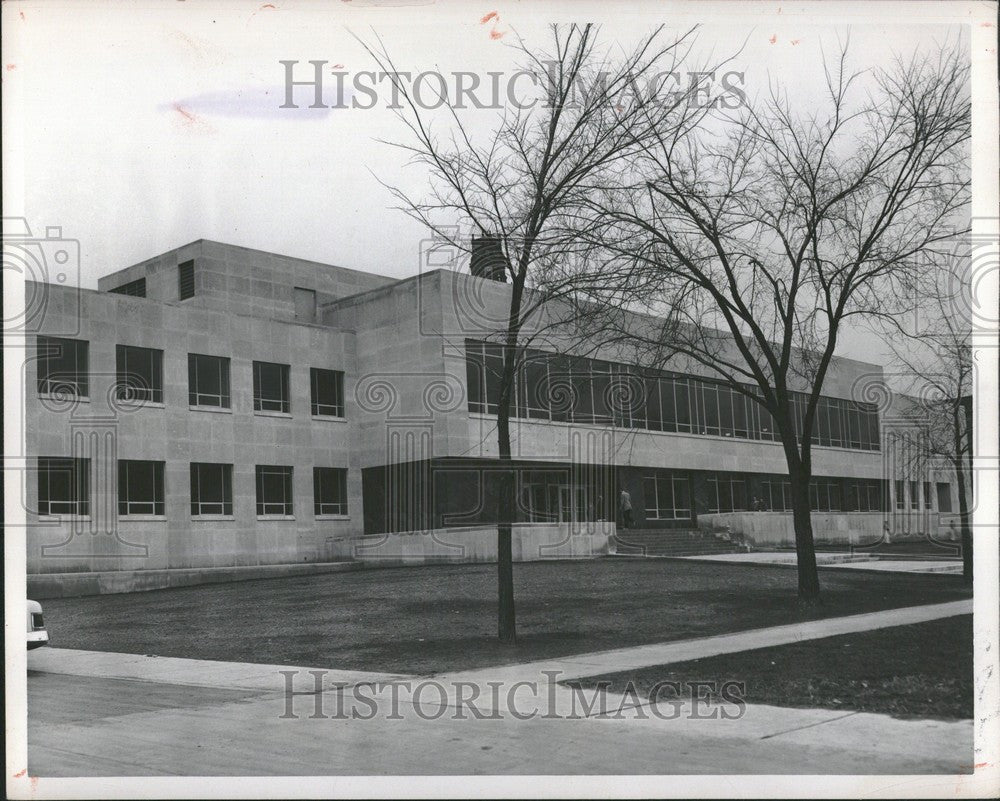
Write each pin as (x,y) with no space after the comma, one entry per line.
(487,259)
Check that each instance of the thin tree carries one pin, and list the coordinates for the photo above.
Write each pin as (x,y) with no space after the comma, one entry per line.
(933,368)
(758,238)
(526,182)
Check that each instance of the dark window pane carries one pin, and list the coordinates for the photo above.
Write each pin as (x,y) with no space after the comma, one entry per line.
(63,486)
(208,380)
(725,411)
(63,366)
(682,402)
(536,384)
(668,413)
(140,487)
(739,488)
(601,388)
(944,497)
(583,399)
(270,387)
(494,374)
(475,373)
(710,407)
(274,490)
(139,373)
(652,406)
(211,489)
(329,491)
(327,392)
(740,418)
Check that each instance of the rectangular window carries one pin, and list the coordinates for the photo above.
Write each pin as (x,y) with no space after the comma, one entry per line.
(741,416)
(682,405)
(727,494)
(136,289)
(63,366)
(667,497)
(836,427)
(582,390)
(139,373)
(536,385)
(329,491)
(274,490)
(270,387)
(601,374)
(475,374)
(726,427)
(899,490)
(914,496)
(494,373)
(185,279)
(565,388)
(140,487)
(327,392)
(211,489)
(877,492)
(777,496)
(928,496)
(710,406)
(63,486)
(208,380)
(944,497)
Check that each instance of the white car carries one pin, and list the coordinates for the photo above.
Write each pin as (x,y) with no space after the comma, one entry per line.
(37,635)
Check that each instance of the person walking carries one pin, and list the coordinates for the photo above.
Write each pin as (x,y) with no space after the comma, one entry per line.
(625,504)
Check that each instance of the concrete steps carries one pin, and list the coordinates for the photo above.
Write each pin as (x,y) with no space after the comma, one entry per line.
(672,542)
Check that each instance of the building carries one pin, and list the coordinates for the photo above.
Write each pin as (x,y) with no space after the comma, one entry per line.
(224,409)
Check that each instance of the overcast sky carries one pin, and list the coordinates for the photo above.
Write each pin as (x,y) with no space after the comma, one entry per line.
(150,125)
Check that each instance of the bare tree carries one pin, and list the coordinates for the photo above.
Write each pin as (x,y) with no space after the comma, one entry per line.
(527,181)
(934,369)
(760,236)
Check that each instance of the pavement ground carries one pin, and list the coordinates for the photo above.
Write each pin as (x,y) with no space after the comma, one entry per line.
(858,561)
(98,714)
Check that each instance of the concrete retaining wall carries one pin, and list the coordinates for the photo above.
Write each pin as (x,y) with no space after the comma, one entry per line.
(531,542)
(777,528)
(68,585)
(842,528)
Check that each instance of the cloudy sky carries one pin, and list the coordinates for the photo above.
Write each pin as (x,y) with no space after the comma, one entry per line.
(148,125)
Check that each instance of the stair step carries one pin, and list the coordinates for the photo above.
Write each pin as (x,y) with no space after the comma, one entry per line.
(673,542)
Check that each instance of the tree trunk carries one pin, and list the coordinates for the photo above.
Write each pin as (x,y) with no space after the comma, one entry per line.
(805,548)
(966,527)
(506,501)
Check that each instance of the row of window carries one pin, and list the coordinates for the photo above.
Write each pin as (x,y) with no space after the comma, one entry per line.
(574,389)
(64,488)
(668,495)
(909,493)
(63,367)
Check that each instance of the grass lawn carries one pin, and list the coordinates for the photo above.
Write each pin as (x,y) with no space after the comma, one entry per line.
(430,619)
(921,670)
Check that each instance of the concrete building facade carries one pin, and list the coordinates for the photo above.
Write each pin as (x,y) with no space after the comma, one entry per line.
(221,408)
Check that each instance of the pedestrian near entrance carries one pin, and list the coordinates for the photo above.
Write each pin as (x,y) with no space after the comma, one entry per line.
(625,504)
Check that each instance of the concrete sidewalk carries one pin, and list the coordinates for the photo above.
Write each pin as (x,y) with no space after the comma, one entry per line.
(124,714)
(642,656)
(856,561)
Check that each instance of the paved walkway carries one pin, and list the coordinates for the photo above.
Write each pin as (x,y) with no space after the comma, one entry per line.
(859,561)
(642,656)
(123,714)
